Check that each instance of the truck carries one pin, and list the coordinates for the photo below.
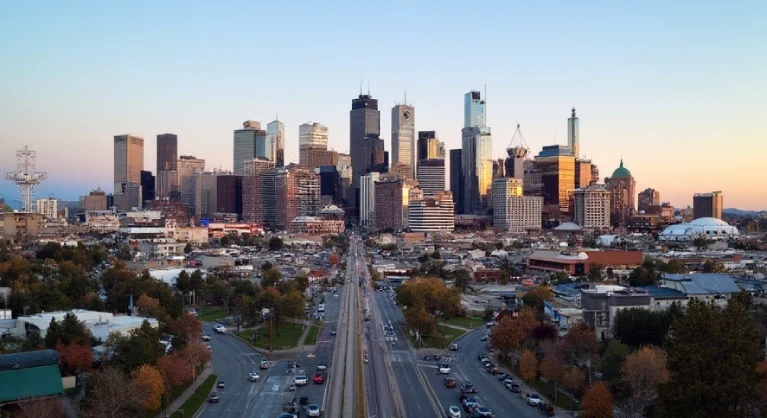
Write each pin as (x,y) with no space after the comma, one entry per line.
(321,307)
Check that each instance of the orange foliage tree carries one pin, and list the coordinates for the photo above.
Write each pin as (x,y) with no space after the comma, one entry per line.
(597,402)
(510,333)
(573,379)
(528,366)
(74,358)
(186,327)
(149,307)
(175,371)
(644,370)
(195,355)
(151,385)
(553,369)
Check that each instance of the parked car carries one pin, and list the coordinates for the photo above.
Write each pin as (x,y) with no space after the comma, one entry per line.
(454,347)
(427,357)
(253,376)
(301,380)
(468,388)
(450,382)
(220,384)
(444,369)
(287,415)
(319,379)
(481,356)
(206,338)
(533,399)
(503,376)
(220,328)
(453,412)
(485,337)
(303,401)
(469,404)
(333,333)
(213,398)
(513,387)
(482,411)
(313,410)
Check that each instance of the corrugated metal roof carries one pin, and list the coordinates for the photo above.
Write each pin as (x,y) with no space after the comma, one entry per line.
(704,283)
(28,383)
(28,359)
(661,292)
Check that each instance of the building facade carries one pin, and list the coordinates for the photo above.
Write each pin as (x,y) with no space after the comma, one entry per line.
(432,214)
(147,186)
(258,192)
(317,157)
(48,207)
(503,189)
(368,199)
(429,147)
(456,179)
(573,134)
(431,176)
(298,194)
(249,142)
(167,154)
(553,173)
(275,132)
(592,207)
(403,137)
(229,194)
(707,205)
(364,120)
(391,203)
(583,175)
(311,136)
(476,156)
(96,200)
(128,164)
(648,198)
(622,187)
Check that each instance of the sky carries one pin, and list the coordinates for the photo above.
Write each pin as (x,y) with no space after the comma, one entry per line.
(676,89)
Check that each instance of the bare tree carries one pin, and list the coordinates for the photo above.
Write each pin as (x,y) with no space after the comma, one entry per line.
(41,408)
(644,370)
(111,394)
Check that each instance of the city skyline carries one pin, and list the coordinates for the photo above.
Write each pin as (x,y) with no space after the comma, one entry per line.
(687,116)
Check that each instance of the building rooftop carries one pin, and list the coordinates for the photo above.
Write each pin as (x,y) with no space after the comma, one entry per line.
(621,171)
(701,283)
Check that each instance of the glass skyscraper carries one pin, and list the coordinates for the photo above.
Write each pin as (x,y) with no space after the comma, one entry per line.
(476,156)
(275,131)
(364,121)
(473,110)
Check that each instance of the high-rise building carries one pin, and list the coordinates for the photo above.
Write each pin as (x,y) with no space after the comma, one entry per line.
(648,198)
(96,200)
(258,191)
(368,199)
(249,142)
(344,168)
(49,207)
(392,199)
(128,198)
(167,154)
(707,205)
(512,211)
(376,155)
(311,135)
(429,146)
(517,152)
(477,156)
(275,132)
(147,186)
(433,213)
(207,194)
(583,175)
(554,171)
(330,183)
(622,189)
(456,179)
(188,168)
(298,194)
(592,206)
(317,157)
(573,134)
(229,194)
(431,176)
(499,168)
(128,164)
(503,189)
(403,136)
(364,120)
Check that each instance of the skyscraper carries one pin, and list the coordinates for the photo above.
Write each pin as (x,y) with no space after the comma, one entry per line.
(477,154)
(429,146)
(249,142)
(456,179)
(368,199)
(376,160)
(311,135)
(592,206)
(707,205)
(167,154)
(258,191)
(431,176)
(573,135)
(553,176)
(432,214)
(647,198)
(275,132)
(128,164)
(364,120)
(403,136)
(229,194)
(147,186)
(297,194)
(622,189)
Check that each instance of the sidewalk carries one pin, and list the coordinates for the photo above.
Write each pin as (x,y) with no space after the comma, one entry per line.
(526,388)
(179,402)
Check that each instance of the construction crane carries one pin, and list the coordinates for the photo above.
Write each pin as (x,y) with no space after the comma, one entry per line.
(25,176)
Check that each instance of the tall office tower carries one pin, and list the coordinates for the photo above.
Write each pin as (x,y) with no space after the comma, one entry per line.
(229,194)
(573,135)
(554,170)
(477,155)
(128,164)
(49,207)
(188,166)
(96,200)
(249,142)
(147,186)
(128,198)
(432,213)
(206,202)
(368,199)
(364,120)
(190,185)
(622,189)
(344,168)
(311,135)
(499,168)
(429,146)
(275,133)
(456,179)
(330,184)
(392,199)
(431,176)
(583,175)
(298,194)
(532,179)
(503,189)
(316,158)
(592,206)
(707,205)
(403,136)
(376,157)
(647,198)
(258,191)
(517,152)
(167,154)
(400,170)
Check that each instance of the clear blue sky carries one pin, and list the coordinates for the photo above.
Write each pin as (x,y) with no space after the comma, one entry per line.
(679,89)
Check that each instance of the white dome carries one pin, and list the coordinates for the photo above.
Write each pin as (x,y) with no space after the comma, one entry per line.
(568,226)
(711,228)
(709,222)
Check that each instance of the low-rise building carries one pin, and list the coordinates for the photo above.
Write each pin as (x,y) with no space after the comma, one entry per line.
(577,263)
(314,225)
(99,324)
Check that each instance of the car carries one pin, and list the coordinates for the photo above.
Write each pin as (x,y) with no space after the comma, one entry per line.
(453,347)
(533,399)
(453,412)
(303,401)
(253,376)
(488,365)
(292,387)
(264,365)
(469,404)
(495,370)
(503,376)
(468,388)
(322,366)
(427,357)
(301,380)
(313,411)
(333,333)
(213,398)
(482,411)
(484,338)
(481,356)
(220,384)
(206,338)
(437,358)
(287,415)
(319,379)
(514,388)
(444,369)
(220,328)
(450,382)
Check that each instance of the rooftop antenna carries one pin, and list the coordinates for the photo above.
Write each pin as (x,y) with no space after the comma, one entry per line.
(405,102)
(360,86)
(368,86)
(25,176)
(485,91)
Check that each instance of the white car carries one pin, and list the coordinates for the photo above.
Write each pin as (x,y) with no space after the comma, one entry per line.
(220,329)
(454,412)
(301,380)
(313,411)
(253,376)
(206,338)
(533,399)
(444,369)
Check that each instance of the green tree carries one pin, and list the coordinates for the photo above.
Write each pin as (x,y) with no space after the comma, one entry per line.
(612,360)
(636,327)
(69,330)
(276,243)
(142,347)
(713,267)
(271,277)
(712,350)
(595,273)
(302,282)
(183,282)
(642,276)
(462,278)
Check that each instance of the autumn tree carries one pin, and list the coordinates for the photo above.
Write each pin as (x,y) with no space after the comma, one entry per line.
(528,366)
(417,319)
(535,297)
(580,345)
(149,307)
(185,328)
(151,386)
(509,335)
(712,350)
(644,370)
(574,380)
(74,358)
(195,355)
(553,369)
(175,372)
(110,394)
(597,402)
(302,282)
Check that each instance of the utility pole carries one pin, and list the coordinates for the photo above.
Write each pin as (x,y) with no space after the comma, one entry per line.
(270,331)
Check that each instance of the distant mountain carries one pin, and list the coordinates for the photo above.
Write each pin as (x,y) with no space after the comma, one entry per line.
(743,213)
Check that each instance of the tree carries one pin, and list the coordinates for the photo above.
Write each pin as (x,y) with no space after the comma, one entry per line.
(579,345)
(291,305)
(67,331)
(595,273)
(644,370)
(553,369)
(573,379)
(271,277)
(195,355)
(642,276)
(510,333)
(421,321)
(611,362)
(275,243)
(186,328)
(74,358)
(636,327)
(151,385)
(142,347)
(40,408)
(712,350)
(183,282)
(110,394)
(713,267)
(149,307)
(462,279)
(535,297)
(302,282)
(528,366)
(174,370)
(597,402)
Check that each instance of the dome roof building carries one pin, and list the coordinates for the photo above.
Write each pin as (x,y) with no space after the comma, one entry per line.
(621,171)
(622,187)
(710,228)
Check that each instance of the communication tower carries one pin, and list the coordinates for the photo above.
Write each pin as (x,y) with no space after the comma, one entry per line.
(25,176)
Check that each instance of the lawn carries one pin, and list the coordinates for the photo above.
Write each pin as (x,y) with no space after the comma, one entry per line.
(311,336)
(193,404)
(211,313)
(465,321)
(289,333)
(447,336)
(563,401)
